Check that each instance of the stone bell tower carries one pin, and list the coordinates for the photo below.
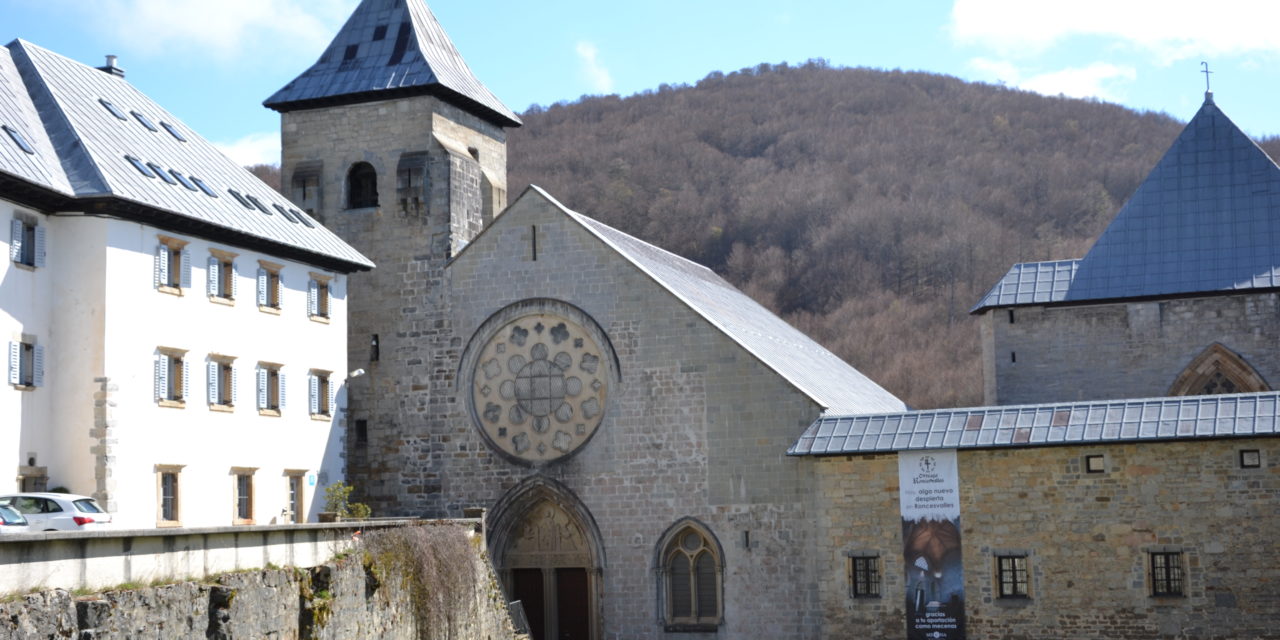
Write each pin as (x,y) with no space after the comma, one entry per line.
(392,143)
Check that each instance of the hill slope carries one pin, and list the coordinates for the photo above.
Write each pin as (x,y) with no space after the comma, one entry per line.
(870,209)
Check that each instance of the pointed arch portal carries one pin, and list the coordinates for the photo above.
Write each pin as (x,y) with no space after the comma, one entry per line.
(1217,370)
(547,550)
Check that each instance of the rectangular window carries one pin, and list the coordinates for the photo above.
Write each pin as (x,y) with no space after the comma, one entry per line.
(243,495)
(269,286)
(169,497)
(1096,463)
(1166,573)
(1011,576)
(171,379)
(1250,459)
(864,576)
(321,393)
(26,363)
(221,382)
(270,389)
(172,265)
(297,510)
(27,243)
(306,191)
(222,276)
(318,296)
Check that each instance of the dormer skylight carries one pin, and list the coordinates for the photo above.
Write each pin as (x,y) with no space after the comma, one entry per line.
(173,131)
(204,187)
(145,122)
(115,111)
(161,173)
(19,140)
(303,219)
(285,212)
(183,179)
(258,203)
(239,198)
(142,168)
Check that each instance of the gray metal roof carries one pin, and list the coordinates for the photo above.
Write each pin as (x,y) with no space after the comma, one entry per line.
(90,145)
(805,364)
(387,48)
(1206,219)
(1180,418)
(17,111)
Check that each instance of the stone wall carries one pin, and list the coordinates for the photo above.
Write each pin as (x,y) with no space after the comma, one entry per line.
(1121,350)
(347,598)
(1087,537)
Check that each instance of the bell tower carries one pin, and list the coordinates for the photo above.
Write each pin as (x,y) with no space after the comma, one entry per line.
(392,143)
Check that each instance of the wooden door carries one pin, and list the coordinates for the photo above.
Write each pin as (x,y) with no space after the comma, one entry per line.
(527,588)
(573,603)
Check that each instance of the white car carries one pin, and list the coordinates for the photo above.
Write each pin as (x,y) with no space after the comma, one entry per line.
(58,511)
(12,522)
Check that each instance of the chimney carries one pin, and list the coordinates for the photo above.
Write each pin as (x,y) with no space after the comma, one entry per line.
(111,67)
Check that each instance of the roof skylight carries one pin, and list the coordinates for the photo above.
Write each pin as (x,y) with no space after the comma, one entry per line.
(115,111)
(145,122)
(173,131)
(239,198)
(284,212)
(204,187)
(303,219)
(258,203)
(19,140)
(183,179)
(142,168)
(161,173)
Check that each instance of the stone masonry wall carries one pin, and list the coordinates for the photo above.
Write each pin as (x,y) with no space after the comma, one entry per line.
(1122,350)
(1087,537)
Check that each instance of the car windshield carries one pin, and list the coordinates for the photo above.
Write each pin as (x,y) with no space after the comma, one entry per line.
(87,505)
(11,517)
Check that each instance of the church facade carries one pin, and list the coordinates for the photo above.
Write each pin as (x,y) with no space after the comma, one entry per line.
(658,456)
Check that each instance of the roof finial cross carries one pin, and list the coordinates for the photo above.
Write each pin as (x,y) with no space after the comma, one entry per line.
(1206,73)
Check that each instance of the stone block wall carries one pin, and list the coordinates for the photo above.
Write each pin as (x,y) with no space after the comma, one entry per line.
(1121,350)
(1087,536)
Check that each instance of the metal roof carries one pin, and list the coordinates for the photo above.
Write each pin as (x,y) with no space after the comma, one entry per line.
(1179,418)
(1205,220)
(77,133)
(805,364)
(389,48)
(17,111)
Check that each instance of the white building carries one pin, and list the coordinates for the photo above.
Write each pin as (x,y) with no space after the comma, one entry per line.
(175,329)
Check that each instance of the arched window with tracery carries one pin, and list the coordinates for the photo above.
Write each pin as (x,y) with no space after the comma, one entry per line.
(362,186)
(1217,370)
(690,578)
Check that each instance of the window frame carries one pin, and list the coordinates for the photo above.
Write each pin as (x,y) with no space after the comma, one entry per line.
(175,471)
(270,389)
(269,285)
(172,268)
(1013,576)
(243,502)
(220,383)
(864,575)
(175,389)
(320,297)
(362,186)
(321,394)
(1173,582)
(27,242)
(672,549)
(26,363)
(221,276)
(296,495)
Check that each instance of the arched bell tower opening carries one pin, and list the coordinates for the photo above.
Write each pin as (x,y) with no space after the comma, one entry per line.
(548,553)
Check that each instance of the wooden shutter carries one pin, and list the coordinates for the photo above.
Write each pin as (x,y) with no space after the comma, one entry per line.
(162,265)
(313,298)
(235,276)
(185,279)
(162,376)
(262,388)
(39,257)
(15,363)
(214,268)
(15,240)
(313,385)
(213,383)
(37,366)
(280,382)
(186,378)
(232,368)
(262,287)
(333,397)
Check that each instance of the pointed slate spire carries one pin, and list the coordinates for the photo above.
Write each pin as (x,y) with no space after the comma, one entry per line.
(1206,219)
(389,49)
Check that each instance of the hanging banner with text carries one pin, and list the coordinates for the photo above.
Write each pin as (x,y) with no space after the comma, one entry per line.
(929,491)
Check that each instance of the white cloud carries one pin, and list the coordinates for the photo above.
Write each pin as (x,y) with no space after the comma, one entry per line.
(1098,80)
(255,148)
(596,72)
(1170,30)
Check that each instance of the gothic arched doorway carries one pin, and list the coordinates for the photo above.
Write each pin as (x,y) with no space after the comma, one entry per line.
(547,551)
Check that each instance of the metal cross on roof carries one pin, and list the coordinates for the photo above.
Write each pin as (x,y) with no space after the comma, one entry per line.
(1206,73)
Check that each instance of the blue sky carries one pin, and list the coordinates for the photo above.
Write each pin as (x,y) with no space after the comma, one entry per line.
(213,63)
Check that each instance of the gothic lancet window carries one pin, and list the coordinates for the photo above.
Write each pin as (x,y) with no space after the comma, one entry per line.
(362,186)
(691,579)
(1217,370)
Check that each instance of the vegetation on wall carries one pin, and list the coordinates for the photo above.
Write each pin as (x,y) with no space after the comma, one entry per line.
(871,209)
(436,563)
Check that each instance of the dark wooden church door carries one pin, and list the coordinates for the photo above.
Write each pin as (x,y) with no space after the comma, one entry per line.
(572,604)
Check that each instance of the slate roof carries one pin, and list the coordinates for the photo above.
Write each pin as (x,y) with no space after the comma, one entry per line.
(1205,220)
(1130,420)
(809,367)
(390,48)
(81,151)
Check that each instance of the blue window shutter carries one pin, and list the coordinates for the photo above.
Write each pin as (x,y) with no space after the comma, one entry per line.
(233,385)
(333,396)
(280,378)
(214,266)
(162,376)
(186,269)
(262,388)
(186,379)
(213,383)
(15,240)
(37,366)
(313,298)
(15,362)
(39,257)
(162,264)
(235,277)
(262,287)
(313,386)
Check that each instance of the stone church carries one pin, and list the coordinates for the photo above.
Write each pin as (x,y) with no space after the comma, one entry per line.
(656,454)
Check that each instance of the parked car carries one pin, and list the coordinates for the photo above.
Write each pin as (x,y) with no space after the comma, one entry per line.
(12,522)
(58,511)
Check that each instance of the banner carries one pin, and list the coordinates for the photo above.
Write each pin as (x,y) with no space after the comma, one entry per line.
(929,492)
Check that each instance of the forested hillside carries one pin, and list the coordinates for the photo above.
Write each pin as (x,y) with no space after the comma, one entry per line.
(871,209)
